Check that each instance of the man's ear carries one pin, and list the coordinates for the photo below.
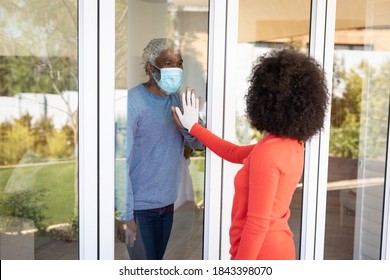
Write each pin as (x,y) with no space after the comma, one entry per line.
(148,67)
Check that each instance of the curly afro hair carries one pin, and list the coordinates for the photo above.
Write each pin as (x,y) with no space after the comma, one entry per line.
(287,95)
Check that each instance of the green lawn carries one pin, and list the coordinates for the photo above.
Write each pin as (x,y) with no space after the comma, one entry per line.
(58,180)
(197,173)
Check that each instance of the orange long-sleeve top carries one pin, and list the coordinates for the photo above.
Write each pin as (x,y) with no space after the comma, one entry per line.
(264,187)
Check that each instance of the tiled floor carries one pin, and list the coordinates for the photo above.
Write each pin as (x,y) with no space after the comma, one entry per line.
(185,242)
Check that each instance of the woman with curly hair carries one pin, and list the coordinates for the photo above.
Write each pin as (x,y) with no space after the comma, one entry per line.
(287,100)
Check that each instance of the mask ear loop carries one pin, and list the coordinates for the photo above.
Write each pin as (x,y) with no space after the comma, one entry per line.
(153,73)
(155,66)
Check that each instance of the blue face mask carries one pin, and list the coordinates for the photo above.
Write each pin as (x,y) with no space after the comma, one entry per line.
(170,79)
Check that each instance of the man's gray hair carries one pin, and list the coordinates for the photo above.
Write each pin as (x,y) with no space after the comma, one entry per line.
(155,47)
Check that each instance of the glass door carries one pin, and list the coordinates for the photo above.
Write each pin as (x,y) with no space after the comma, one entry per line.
(136,24)
(359,131)
(39,130)
(255,27)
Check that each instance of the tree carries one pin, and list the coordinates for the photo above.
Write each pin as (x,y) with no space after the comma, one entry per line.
(360,110)
(375,112)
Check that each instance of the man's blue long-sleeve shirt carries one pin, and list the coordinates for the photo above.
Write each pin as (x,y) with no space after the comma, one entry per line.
(154,154)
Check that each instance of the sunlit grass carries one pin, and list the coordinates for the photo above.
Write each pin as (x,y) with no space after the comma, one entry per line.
(58,180)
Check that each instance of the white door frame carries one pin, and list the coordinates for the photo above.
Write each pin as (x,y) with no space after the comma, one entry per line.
(96,129)
(215,101)
(106,126)
(88,121)
(315,178)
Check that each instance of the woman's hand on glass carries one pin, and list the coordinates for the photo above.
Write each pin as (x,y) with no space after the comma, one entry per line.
(188,114)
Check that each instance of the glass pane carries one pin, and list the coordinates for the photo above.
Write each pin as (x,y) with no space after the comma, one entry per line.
(359,125)
(38,129)
(263,25)
(186,22)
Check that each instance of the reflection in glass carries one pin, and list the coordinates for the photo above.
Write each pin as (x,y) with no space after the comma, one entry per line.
(263,25)
(137,22)
(358,135)
(38,130)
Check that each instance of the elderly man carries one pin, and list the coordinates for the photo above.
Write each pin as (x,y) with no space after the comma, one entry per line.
(155,147)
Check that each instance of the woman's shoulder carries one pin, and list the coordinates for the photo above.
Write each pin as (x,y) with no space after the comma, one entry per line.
(272,145)
(275,141)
